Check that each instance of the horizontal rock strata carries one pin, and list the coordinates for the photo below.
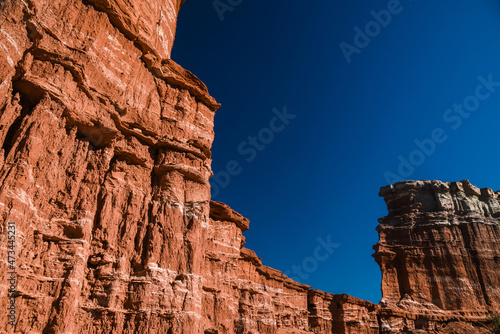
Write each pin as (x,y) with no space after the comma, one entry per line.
(104,168)
(105,164)
(439,253)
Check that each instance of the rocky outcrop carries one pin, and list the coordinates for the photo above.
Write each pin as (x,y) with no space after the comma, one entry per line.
(104,170)
(243,296)
(240,295)
(341,314)
(439,253)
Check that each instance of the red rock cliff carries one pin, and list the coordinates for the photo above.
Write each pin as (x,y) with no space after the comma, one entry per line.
(439,253)
(104,167)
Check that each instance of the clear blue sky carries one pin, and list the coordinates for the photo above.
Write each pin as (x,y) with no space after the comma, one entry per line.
(319,175)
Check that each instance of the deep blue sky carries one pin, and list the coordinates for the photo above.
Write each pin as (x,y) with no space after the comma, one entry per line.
(321,174)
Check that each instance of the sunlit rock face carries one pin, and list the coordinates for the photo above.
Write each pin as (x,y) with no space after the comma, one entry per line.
(240,295)
(439,252)
(104,169)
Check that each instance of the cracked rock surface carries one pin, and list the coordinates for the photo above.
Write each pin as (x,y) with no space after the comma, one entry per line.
(439,253)
(104,168)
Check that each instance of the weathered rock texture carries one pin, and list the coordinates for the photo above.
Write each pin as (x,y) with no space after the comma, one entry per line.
(439,252)
(341,314)
(240,295)
(104,167)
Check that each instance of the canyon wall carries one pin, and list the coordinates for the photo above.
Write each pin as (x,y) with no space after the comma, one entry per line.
(104,170)
(240,295)
(439,253)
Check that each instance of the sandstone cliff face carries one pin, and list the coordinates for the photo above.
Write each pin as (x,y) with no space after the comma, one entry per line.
(439,252)
(341,314)
(240,295)
(104,168)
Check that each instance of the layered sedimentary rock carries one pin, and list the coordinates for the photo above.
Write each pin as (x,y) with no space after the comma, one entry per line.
(439,253)
(341,314)
(240,295)
(104,168)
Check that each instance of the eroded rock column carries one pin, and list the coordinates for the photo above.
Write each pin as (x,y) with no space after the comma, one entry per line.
(104,168)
